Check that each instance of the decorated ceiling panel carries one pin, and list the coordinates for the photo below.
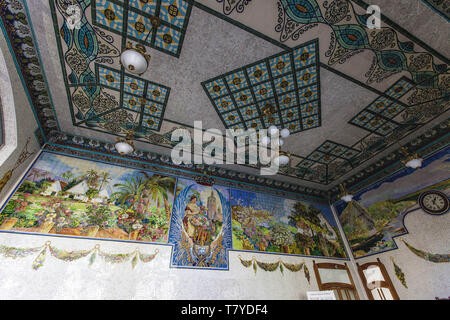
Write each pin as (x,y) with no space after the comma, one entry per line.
(101,95)
(283,90)
(131,19)
(403,84)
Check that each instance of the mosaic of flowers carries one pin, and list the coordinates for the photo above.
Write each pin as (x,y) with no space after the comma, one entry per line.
(283,90)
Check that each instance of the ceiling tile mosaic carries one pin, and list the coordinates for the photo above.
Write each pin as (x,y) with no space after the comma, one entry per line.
(283,89)
(101,95)
(104,98)
(379,116)
(131,19)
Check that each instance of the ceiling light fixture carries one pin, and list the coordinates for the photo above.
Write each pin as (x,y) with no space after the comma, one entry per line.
(411,161)
(125,145)
(345,195)
(283,158)
(135,59)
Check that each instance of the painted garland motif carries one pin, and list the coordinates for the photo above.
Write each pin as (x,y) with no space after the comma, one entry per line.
(432,257)
(69,256)
(273,266)
(399,274)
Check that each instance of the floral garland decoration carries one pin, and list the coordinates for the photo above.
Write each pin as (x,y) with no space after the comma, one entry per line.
(399,273)
(272,266)
(432,257)
(69,256)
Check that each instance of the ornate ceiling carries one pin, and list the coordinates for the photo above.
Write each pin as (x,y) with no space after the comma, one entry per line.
(349,94)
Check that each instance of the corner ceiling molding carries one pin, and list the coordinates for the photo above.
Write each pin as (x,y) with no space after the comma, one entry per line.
(82,145)
(441,7)
(430,142)
(17,26)
(287,82)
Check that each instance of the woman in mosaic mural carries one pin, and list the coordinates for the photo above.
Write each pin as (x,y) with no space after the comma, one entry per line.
(199,227)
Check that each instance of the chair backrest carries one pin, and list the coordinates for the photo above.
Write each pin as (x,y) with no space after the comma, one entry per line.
(336,277)
(376,281)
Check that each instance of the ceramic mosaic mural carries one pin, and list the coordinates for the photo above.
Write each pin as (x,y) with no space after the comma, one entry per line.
(201,226)
(69,196)
(376,215)
(266,223)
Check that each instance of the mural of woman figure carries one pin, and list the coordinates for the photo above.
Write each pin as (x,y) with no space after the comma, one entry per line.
(191,210)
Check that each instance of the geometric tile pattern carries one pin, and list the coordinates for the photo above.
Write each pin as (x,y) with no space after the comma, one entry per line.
(133,21)
(287,82)
(328,152)
(147,98)
(378,116)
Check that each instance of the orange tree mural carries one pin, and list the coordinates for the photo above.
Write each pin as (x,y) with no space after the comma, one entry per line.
(266,223)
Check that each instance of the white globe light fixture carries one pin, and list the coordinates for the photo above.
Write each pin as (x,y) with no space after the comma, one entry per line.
(265,140)
(123,147)
(134,58)
(282,159)
(346,196)
(411,161)
(414,163)
(285,133)
(273,130)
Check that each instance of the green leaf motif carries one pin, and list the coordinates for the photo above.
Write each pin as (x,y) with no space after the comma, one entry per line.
(134,260)
(92,258)
(307,275)
(39,261)
(268,266)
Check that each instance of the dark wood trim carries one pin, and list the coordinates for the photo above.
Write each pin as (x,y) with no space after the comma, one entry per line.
(338,286)
(387,283)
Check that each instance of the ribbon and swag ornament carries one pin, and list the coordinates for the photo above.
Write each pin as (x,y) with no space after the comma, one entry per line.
(432,257)
(69,256)
(272,266)
(399,273)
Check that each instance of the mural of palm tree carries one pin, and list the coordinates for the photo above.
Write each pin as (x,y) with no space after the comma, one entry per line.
(105,177)
(158,186)
(68,176)
(129,192)
(92,178)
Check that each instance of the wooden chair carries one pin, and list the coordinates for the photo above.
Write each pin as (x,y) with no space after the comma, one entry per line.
(336,277)
(379,285)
